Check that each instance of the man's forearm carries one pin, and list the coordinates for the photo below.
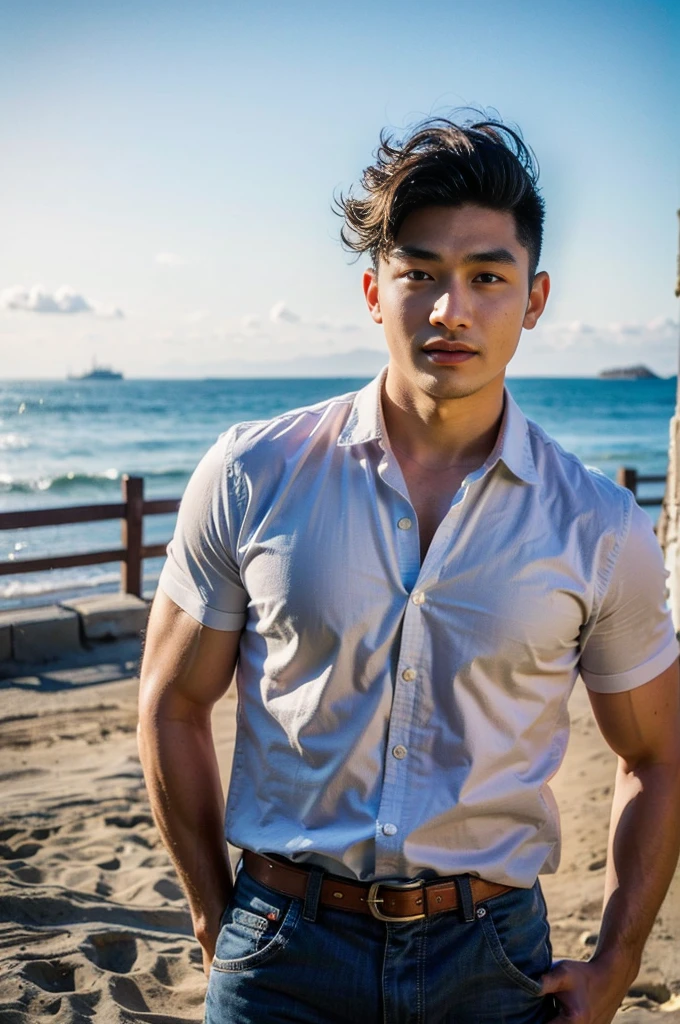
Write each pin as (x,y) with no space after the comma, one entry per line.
(644,840)
(182,777)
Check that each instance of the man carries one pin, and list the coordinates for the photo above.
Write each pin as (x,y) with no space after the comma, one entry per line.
(407,582)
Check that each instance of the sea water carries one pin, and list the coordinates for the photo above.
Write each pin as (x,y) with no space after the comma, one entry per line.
(69,442)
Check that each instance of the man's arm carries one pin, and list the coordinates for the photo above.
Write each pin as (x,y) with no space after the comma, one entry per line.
(186,668)
(642,726)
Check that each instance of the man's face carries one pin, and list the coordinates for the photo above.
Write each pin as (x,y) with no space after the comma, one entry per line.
(453,297)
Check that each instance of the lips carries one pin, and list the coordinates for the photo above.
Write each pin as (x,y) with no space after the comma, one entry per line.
(447,346)
(448,353)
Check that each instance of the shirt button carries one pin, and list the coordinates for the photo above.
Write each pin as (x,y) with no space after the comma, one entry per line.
(418,597)
(405,523)
(408,675)
(399,752)
(389,829)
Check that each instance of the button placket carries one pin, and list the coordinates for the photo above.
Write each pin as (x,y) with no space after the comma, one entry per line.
(402,722)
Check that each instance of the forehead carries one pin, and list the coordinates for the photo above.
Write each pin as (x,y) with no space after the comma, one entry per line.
(458,230)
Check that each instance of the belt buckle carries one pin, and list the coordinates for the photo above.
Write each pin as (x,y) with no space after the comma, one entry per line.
(373,900)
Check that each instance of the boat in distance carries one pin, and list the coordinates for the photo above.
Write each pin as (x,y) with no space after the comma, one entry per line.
(98,372)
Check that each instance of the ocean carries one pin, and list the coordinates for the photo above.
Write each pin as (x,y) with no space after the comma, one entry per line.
(69,442)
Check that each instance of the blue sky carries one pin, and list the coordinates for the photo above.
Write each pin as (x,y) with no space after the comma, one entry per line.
(168,171)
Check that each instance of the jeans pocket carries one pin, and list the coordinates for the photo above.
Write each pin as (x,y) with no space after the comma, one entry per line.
(256,924)
(516,931)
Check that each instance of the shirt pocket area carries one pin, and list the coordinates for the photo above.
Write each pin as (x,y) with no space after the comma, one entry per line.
(516,930)
(256,924)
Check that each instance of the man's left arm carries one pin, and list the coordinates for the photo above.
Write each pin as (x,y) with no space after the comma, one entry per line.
(642,726)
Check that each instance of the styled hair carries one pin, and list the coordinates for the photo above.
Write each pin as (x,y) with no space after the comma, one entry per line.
(441,163)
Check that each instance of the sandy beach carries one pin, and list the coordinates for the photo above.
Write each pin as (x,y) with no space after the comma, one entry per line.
(93,925)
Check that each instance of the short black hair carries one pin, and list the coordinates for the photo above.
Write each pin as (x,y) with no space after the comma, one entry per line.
(442,163)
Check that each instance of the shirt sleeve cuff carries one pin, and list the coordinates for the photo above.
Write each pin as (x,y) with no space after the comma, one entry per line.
(197,609)
(622,681)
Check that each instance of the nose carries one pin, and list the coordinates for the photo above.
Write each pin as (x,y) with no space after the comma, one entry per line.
(451,310)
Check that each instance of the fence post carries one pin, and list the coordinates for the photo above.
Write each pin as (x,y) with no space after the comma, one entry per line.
(131,534)
(627,477)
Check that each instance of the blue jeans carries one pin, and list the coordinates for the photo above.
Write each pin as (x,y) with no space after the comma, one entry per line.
(273,965)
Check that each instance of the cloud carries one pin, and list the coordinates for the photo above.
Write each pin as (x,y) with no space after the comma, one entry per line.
(250,322)
(169,259)
(64,300)
(577,335)
(197,316)
(279,313)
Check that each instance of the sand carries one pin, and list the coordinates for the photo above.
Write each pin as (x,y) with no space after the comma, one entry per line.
(93,925)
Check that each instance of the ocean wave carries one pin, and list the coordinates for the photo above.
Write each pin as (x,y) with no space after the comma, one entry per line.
(13,442)
(17,590)
(65,482)
(22,588)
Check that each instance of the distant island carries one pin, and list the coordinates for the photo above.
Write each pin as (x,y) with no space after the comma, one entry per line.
(639,372)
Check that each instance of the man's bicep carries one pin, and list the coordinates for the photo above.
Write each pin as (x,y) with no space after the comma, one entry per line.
(187,666)
(642,724)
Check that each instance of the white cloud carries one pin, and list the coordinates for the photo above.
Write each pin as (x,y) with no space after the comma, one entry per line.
(64,300)
(169,259)
(578,335)
(279,313)
(197,316)
(250,322)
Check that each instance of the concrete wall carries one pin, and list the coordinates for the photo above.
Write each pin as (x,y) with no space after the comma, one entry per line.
(34,635)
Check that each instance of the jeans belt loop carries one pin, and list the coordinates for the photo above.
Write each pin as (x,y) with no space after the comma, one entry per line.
(467,900)
(313,893)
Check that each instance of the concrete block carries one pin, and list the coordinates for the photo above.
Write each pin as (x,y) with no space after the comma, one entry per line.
(41,634)
(110,616)
(5,641)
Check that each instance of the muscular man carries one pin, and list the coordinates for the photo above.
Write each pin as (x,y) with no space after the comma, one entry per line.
(407,582)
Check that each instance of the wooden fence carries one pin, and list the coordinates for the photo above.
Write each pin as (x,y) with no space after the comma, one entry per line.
(131,511)
(630,478)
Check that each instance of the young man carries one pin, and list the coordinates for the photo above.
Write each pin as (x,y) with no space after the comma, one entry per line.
(407,582)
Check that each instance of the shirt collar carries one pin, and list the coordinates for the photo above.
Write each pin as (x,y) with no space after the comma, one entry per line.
(365,421)
(513,446)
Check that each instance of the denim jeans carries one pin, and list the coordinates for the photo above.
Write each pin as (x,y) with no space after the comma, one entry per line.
(273,965)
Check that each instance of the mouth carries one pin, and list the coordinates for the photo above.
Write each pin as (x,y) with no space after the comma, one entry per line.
(448,353)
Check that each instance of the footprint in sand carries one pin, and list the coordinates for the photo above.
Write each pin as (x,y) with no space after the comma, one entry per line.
(51,975)
(128,820)
(20,853)
(127,994)
(169,889)
(111,951)
(28,873)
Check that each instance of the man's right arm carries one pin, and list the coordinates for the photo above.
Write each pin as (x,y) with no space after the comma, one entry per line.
(186,668)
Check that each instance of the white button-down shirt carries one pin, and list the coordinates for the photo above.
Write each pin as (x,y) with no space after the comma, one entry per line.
(399,718)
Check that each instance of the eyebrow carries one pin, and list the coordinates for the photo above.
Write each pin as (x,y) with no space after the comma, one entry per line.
(414,252)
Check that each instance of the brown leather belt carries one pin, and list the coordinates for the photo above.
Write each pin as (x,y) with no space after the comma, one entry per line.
(387,901)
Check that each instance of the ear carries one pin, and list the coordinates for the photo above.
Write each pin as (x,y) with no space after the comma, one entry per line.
(370,286)
(538,296)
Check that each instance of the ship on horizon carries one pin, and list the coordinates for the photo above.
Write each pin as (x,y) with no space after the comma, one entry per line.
(98,372)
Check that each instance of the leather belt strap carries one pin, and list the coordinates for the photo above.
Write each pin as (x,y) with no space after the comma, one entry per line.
(388,901)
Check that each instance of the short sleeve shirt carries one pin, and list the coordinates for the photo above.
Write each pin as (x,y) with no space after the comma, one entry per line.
(399,719)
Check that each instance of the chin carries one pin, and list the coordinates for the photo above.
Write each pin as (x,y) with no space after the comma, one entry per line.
(450,384)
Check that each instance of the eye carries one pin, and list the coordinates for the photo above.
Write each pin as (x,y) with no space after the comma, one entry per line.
(488,278)
(417,275)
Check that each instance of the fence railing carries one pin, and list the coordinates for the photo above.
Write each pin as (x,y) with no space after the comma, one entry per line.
(131,511)
(630,478)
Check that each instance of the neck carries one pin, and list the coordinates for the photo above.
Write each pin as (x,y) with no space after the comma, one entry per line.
(440,433)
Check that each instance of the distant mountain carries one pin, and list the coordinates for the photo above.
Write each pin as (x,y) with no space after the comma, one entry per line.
(638,372)
(361,362)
